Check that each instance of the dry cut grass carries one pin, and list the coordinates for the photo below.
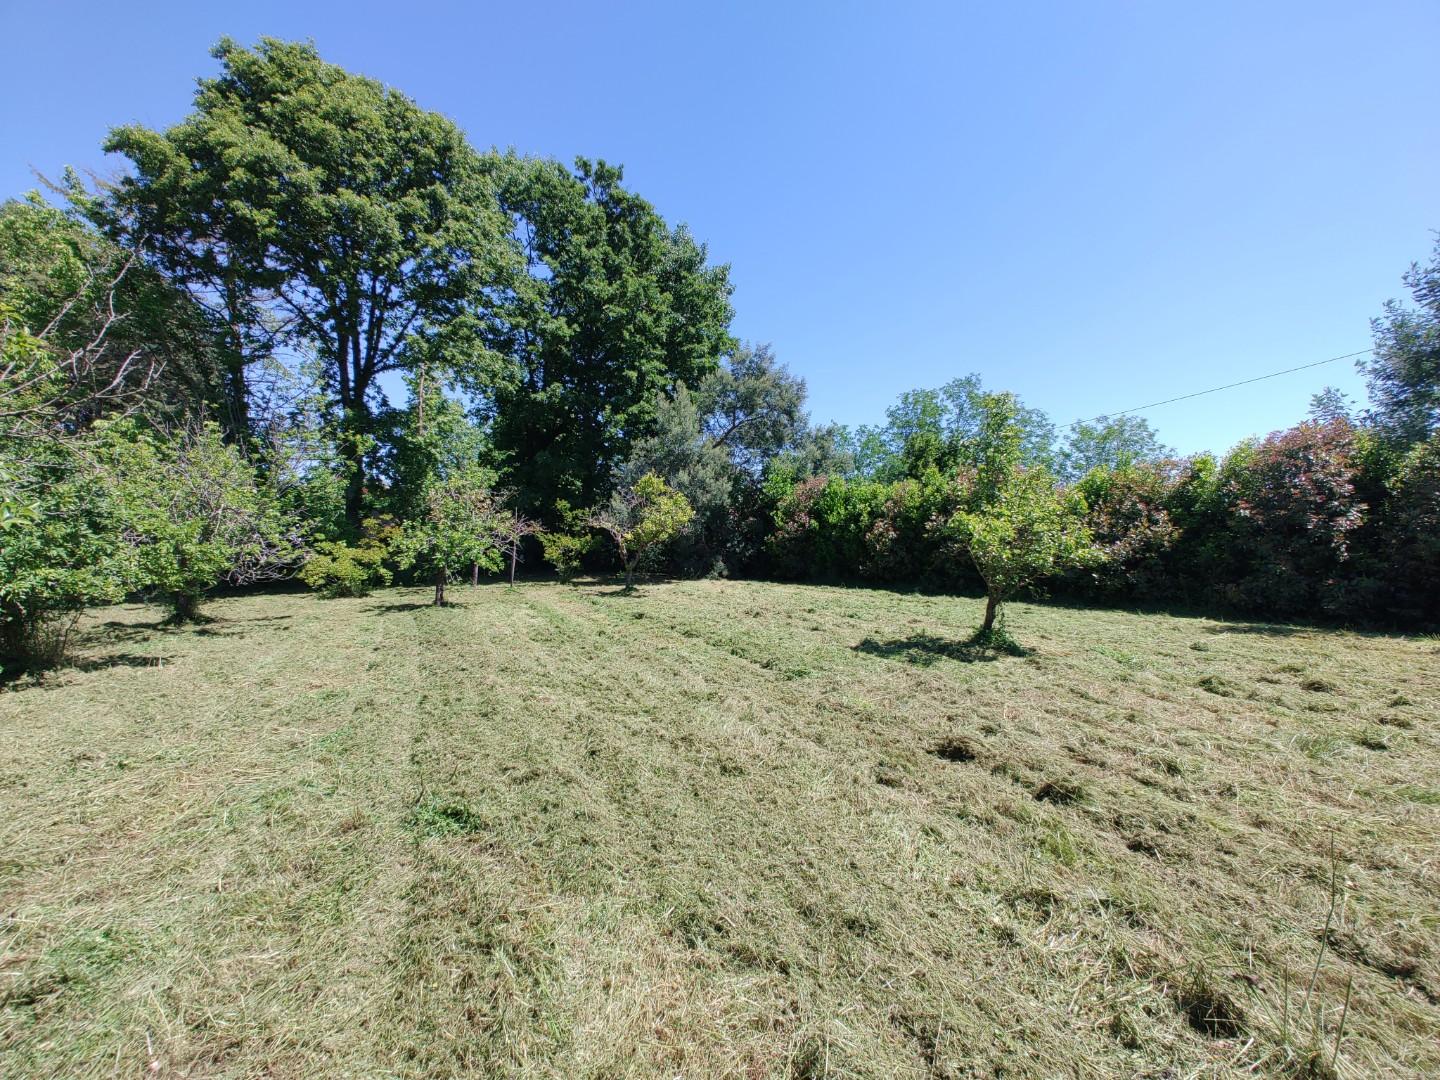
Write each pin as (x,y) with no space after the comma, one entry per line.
(719,829)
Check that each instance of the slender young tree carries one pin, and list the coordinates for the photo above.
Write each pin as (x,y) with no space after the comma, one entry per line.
(458,529)
(1027,530)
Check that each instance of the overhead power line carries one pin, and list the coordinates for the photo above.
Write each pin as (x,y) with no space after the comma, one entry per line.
(1217,389)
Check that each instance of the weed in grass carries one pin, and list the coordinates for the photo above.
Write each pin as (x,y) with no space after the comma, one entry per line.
(1216,684)
(1318,746)
(1207,1006)
(1060,844)
(1371,739)
(1414,793)
(435,817)
(997,640)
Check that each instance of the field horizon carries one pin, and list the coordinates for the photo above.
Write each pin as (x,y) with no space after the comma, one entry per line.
(718,828)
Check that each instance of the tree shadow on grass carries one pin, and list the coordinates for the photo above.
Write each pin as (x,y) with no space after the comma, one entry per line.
(115,632)
(621,592)
(413,605)
(135,660)
(926,650)
(1264,629)
(17,677)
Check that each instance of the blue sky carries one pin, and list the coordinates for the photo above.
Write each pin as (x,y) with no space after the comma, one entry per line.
(1095,205)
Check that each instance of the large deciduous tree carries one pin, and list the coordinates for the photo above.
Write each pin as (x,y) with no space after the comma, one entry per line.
(614,308)
(320,210)
(1121,442)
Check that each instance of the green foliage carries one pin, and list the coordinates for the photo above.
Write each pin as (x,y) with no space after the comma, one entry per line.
(640,518)
(341,569)
(950,428)
(192,513)
(1403,373)
(1293,516)
(459,528)
(614,308)
(751,407)
(1025,530)
(60,549)
(565,547)
(1127,514)
(433,438)
(86,329)
(1119,443)
(298,195)
(1400,560)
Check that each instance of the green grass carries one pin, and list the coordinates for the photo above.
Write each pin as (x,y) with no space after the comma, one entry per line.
(718,829)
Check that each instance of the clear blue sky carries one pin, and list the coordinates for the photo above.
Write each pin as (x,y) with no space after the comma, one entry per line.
(1095,205)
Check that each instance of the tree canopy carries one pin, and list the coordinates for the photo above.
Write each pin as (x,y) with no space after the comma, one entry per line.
(613,308)
(317,209)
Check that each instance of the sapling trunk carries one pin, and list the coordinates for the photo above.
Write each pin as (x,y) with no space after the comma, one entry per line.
(992,605)
(440,587)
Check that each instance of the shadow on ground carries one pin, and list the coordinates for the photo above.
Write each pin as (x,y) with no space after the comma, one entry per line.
(1265,629)
(417,605)
(924,650)
(114,660)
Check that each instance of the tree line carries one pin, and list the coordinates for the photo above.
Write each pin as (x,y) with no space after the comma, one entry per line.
(198,361)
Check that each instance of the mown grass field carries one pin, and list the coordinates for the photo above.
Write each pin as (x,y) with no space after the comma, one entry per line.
(718,829)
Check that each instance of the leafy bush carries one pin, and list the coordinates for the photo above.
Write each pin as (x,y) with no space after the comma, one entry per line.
(341,569)
(1292,516)
(1400,583)
(565,547)
(192,512)
(60,549)
(1127,516)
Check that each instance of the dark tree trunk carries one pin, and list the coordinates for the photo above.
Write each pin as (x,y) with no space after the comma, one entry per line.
(992,605)
(235,422)
(355,495)
(439,587)
(184,607)
(356,426)
(474,573)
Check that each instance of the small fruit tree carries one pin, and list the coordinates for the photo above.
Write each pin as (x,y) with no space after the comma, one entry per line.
(642,517)
(1026,529)
(460,527)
